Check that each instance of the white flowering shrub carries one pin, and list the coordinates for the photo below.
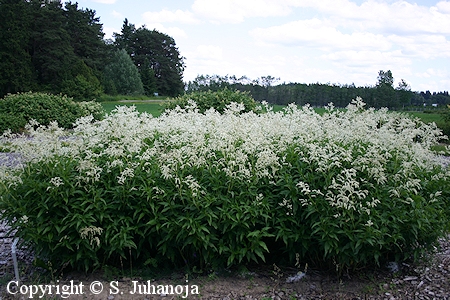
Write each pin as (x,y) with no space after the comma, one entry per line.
(348,188)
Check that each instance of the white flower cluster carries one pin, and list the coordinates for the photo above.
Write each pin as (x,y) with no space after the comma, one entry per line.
(56,182)
(91,233)
(246,147)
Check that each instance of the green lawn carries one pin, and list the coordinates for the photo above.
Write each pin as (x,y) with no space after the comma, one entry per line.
(153,108)
(428,117)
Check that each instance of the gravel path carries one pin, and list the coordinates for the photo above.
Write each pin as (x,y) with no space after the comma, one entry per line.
(6,260)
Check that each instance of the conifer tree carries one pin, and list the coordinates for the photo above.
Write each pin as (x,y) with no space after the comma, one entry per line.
(121,76)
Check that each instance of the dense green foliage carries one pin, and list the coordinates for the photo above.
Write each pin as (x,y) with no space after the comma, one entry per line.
(156,56)
(121,76)
(446,114)
(50,47)
(446,124)
(19,109)
(148,78)
(219,100)
(47,47)
(347,188)
(16,63)
(383,94)
(84,85)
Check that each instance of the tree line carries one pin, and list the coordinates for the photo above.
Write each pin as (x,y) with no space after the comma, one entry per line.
(267,88)
(47,46)
(60,48)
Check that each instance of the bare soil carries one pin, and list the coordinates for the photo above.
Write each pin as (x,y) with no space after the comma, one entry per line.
(429,279)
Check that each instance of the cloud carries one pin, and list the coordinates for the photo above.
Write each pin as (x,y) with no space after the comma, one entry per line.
(105,1)
(109,32)
(387,17)
(433,79)
(175,32)
(235,11)
(117,14)
(431,72)
(200,66)
(163,16)
(343,8)
(268,64)
(363,59)
(209,52)
(422,46)
(398,31)
(406,18)
(443,7)
(361,67)
(205,58)
(317,33)
(208,57)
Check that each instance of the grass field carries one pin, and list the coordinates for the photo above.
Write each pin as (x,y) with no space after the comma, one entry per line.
(428,117)
(153,108)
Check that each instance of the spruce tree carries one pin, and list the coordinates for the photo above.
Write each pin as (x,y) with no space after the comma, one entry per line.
(121,76)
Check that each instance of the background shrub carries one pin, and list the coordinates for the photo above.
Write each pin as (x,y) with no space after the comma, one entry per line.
(121,76)
(347,188)
(217,100)
(13,122)
(446,124)
(83,85)
(81,88)
(19,109)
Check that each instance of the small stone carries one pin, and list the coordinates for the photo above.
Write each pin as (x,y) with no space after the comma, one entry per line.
(110,297)
(393,267)
(409,278)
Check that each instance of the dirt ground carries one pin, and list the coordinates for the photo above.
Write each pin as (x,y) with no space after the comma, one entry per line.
(429,279)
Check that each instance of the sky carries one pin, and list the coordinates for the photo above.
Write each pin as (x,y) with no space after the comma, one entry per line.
(303,41)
